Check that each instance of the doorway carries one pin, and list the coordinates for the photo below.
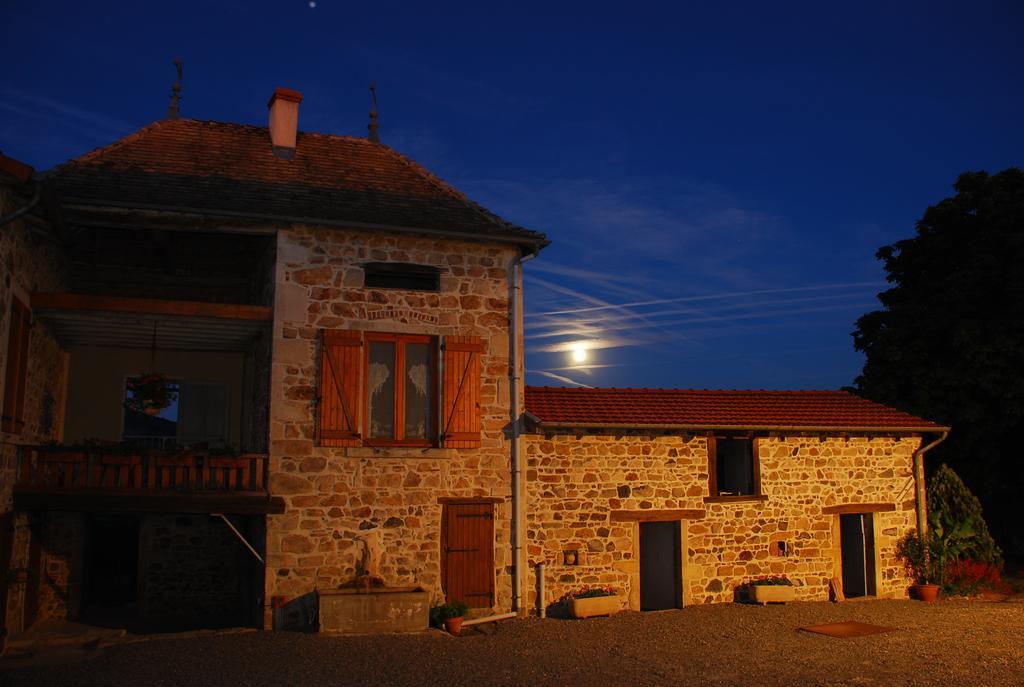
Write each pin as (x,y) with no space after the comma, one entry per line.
(661,580)
(857,543)
(111,568)
(467,547)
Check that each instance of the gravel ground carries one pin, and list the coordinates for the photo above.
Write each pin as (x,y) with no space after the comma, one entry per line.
(947,643)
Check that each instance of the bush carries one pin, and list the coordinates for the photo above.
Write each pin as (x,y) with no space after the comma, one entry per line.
(919,557)
(453,609)
(968,577)
(951,506)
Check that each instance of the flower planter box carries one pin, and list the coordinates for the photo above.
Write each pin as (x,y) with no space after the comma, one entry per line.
(594,606)
(767,594)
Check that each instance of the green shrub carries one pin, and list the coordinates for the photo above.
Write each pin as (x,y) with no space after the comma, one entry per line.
(952,507)
(453,609)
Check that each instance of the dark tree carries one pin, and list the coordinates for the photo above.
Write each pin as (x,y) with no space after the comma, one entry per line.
(949,343)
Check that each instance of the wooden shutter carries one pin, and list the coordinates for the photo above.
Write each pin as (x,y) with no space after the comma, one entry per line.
(339,394)
(13,419)
(712,466)
(460,417)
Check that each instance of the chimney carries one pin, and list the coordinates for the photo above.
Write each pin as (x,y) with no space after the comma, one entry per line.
(284,121)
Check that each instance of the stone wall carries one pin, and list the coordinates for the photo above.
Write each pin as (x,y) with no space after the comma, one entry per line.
(576,482)
(62,536)
(29,261)
(194,568)
(335,495)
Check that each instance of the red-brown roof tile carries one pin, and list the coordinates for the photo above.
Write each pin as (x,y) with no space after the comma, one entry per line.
(703,408)
(218,168)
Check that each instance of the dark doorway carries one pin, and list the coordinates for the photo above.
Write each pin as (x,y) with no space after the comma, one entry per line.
(110,574)
(6,545)
(467,542)
(661,579)
(857,540)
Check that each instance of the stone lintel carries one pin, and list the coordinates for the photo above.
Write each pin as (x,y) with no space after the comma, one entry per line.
(849,508)
(656,515)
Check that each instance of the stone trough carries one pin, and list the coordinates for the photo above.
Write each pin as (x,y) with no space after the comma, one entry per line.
(374,610)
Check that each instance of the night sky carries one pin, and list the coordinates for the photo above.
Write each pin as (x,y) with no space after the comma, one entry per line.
(715,182)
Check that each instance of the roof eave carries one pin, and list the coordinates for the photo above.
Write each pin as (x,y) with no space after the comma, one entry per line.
(706,427)
(537,242)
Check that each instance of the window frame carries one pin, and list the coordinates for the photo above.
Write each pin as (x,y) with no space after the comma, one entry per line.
(713,493)
(400,341)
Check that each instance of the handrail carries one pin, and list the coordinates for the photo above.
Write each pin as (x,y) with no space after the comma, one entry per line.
(61,467)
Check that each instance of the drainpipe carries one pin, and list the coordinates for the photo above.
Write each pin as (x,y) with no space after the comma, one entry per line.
(515,317)
(919,491)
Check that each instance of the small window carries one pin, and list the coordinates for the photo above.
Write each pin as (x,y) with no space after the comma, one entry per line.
(401,389)
(400,275)
(734,467)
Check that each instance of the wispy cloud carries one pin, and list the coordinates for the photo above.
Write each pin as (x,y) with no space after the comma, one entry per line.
(559,378)
(87,121)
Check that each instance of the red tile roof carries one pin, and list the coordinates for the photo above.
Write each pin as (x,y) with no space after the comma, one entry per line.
(709,409)
(230,169)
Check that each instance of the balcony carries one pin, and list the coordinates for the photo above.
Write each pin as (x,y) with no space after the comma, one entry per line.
(147,480)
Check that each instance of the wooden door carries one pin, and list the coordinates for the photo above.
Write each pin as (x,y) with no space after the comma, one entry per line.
(467,546)
(660,566)
(857,543)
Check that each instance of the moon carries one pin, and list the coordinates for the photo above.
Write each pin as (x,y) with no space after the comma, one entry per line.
(579,353)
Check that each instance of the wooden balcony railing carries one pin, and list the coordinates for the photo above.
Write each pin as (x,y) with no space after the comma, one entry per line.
(60,468)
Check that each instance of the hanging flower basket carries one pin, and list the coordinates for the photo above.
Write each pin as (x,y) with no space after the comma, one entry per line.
(150,393)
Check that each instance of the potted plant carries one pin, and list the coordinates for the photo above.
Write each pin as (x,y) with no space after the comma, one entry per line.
(921,558)
(771,589)
(588,602)
(150,393)
(452,614)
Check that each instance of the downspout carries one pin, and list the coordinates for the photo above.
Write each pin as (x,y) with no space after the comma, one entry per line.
(919,491)
(515,316)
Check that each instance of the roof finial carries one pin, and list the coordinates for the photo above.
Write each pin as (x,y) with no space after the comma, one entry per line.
(172,110)
(373,126)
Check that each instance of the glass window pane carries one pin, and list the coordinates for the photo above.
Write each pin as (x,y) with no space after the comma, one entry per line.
(735,466)
(380,388)
(418,396)
(153,427)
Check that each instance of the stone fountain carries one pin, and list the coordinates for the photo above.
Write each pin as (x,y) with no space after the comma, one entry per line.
(365,605)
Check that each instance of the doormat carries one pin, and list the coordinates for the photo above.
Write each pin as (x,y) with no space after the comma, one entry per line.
(848,628)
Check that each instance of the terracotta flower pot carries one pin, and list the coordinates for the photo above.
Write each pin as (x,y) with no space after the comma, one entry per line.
(926,592)
(454,625)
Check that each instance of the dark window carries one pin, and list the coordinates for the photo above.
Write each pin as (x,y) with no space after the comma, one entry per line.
(401,389)
(400,275)
(20,329)
(735,468)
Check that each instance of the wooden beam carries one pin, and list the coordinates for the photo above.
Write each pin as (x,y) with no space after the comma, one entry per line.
(656,515)
(448,500)
(144,501)
(735,499)
(851,508)
(150,306)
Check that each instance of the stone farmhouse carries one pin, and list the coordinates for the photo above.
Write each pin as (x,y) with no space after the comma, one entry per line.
(342,333)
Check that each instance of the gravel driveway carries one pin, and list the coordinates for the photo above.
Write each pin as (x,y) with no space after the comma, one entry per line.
(947,643)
